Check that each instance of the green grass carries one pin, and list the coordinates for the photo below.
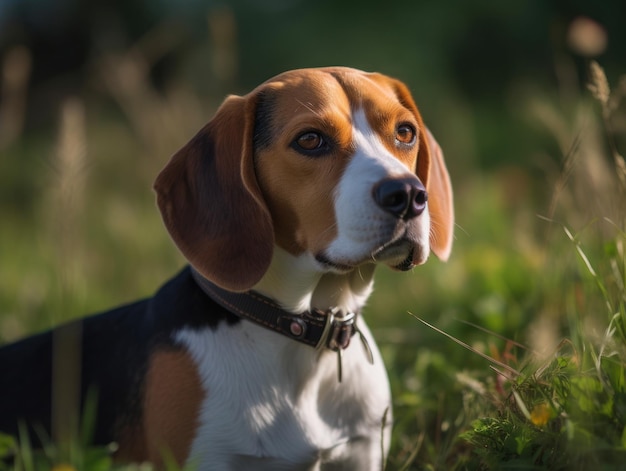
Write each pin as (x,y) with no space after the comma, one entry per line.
(519,361)
(545,389)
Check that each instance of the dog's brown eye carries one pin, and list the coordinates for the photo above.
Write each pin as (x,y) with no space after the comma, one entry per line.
(405,134)
(312,144)
(310,141)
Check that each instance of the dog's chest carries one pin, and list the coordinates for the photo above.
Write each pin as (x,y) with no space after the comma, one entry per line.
(274,404)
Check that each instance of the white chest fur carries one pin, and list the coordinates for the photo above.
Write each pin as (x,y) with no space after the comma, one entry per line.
(272,403)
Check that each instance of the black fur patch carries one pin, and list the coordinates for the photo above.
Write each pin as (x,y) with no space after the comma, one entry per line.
(116,346)
(263,123)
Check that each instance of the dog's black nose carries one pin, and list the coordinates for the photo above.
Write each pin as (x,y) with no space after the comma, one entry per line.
(405,198)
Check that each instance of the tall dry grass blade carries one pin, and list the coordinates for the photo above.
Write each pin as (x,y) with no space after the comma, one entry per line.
(493,334)
(599,84)
(68,193)
(599,87)
(560,185)
(502,373)
(468,347)
(67,206)
(591,270)
(71,155)
(580,252)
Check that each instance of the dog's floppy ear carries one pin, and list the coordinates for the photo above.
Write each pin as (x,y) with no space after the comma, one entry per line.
(431,170)
(211,203)
(440,203)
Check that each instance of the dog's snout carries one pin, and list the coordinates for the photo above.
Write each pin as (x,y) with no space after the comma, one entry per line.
(404,198)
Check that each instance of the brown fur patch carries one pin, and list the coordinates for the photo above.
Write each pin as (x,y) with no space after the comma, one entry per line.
(172,399)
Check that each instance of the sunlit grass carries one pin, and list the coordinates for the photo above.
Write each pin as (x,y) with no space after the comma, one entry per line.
(558,403)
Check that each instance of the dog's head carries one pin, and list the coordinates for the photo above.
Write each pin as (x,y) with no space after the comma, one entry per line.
(332,163)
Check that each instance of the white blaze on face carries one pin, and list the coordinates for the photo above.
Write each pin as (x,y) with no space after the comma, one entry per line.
(362,226)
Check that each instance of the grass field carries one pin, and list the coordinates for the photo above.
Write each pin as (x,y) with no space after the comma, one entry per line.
(510,356)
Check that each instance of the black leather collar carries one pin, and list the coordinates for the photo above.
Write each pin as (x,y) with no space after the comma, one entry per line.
(330,329)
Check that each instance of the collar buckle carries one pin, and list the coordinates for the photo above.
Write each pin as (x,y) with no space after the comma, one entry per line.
(338,329)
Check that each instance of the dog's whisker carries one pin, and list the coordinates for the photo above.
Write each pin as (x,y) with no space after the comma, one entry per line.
(309,106)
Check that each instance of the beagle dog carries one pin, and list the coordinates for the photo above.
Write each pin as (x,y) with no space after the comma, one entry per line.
(256,356)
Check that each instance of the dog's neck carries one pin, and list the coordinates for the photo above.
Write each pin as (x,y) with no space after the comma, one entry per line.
(298,284)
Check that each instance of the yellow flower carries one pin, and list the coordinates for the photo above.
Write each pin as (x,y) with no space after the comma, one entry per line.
(540,414)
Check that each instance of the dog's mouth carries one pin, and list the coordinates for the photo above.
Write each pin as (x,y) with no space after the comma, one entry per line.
(333,265)
(407,263)
(401,254)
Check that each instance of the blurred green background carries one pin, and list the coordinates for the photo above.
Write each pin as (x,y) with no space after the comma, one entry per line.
(96,96)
